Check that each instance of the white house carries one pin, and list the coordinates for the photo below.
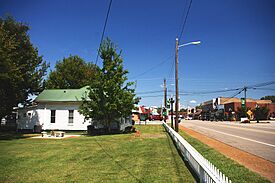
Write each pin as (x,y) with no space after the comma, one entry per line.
(58,109)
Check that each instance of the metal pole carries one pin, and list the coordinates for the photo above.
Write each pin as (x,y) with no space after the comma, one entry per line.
(245,89)
(177,87)
(172,116)
(165,98)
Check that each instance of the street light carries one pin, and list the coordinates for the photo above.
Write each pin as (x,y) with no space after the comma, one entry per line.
(176,79)
(193,42)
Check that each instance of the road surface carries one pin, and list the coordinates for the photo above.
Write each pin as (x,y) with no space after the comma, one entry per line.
(257,139)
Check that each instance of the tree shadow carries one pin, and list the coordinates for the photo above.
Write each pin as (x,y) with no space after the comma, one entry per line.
(13,135)
(119,164)
(182,158)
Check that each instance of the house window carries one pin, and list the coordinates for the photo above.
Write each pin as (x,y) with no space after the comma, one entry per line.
(71,116)
(52,116)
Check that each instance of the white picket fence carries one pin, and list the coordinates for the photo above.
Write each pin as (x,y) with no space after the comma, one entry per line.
(205,170)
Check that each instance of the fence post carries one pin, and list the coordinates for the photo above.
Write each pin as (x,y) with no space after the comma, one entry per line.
(202,176)
(205,170)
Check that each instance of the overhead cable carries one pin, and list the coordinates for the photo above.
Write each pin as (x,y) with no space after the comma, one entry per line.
(184,23)
(152,68)
(103,32)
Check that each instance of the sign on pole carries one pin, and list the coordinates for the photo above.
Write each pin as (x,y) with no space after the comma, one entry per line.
(243,102)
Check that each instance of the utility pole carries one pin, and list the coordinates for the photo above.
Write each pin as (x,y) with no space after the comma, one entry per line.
(177,87)
(172,116)
(245,89)
(165,98)
(243,102)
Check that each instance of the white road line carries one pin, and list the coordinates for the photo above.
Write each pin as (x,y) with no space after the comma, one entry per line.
(244,128)
(271,145)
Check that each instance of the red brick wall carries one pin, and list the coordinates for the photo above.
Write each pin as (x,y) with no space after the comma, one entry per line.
(235,105)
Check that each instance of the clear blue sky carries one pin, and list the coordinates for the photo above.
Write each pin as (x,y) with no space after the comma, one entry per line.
(238,40)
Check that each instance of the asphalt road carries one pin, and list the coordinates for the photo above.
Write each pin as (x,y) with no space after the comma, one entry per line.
(257,139)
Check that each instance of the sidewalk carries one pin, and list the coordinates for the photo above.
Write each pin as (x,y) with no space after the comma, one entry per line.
(252,162)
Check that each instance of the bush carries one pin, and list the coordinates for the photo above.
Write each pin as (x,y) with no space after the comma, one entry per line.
(261,113)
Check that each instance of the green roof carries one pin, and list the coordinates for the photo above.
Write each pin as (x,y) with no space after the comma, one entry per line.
(61,95)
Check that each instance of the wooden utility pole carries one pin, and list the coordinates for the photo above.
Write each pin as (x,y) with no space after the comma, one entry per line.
(177,87)
(165,98)
(165,92)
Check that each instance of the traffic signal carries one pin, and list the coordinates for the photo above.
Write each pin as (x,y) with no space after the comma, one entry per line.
(164,112)
(168,104)
(243,102)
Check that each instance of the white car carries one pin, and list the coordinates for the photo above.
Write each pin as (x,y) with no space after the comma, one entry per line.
(188,118)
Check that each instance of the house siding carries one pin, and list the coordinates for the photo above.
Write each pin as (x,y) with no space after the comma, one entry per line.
(41,115)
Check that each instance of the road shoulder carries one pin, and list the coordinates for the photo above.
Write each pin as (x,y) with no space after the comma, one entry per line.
(252,162)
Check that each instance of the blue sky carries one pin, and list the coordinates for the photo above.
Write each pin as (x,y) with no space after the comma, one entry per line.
(238,40)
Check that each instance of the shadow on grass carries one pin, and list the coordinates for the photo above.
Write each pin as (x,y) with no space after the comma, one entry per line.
(107,133)
(14,135)
(173,156)
(183,159)
(119,164)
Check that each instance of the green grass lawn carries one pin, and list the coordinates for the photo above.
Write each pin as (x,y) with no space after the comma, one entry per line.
(235,172)
(151,157)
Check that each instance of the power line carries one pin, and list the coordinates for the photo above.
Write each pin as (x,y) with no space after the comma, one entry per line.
(185,20)
(171,69)
(149,92)
(266,89)
(183,14)
(150,79)
(234,95)
(103,32)
(191,93)
(261,84)
(182,93)
(211,92)
(251,87)
(152,68)
(151,96)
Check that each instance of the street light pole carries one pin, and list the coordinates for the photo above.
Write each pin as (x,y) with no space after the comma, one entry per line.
(177,87)
(165,99)
(177,79)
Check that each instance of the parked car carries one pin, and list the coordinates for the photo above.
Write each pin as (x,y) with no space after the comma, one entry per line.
(205,116)
(155,117)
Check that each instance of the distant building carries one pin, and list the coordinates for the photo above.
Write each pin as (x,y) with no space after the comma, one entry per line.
(230,105)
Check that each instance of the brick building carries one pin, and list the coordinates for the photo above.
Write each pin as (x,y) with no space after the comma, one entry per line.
(233,104)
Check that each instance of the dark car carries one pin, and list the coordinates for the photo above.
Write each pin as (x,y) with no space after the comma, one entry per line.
(155,117)
(205,116)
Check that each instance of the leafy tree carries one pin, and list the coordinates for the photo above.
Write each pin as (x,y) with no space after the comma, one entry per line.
(71,72)
(109,98)
(272,98)
(183,110)
(21,68)
(198,107)
(242,112)
(261,113)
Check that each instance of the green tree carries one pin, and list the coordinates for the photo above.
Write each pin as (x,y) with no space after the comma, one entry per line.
(71,73)
(198,107)
(109,97)
(261,113)
(21,68)
(242,112)
(272,98)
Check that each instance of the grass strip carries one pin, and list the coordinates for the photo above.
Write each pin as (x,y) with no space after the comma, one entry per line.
(236,172)
(150,157)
